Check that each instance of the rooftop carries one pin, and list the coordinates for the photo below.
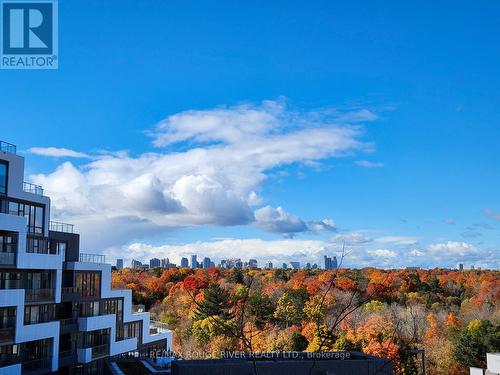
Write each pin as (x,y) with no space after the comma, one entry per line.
(8,147)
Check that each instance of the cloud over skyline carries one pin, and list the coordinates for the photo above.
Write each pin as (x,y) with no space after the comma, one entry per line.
(227,153)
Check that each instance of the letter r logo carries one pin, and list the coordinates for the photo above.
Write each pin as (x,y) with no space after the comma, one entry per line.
(27,28)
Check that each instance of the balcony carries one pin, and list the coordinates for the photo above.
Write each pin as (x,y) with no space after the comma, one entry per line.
(7,333)
(56,226)
(8,359)
(138,309)
(28,187)
(8,147)
(92,258)
(67,357)
(39,295)
(73,293)
(7,259)
(157,327)
(35,365)
(100,351)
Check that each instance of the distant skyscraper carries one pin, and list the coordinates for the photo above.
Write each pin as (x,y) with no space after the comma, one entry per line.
(194,261)
(461,266)
(284,266)
(154,262)
(308,265)
(184,263)
(329,263)
(295,265)
(270,265)
(206,262)
(165,262)
(252,263)
(119,264)
(136,264)
(238,264)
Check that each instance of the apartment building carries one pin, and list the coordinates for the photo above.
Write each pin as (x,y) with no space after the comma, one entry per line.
(57,309)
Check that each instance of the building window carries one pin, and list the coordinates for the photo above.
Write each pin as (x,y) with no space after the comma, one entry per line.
(8,248)
(37,245)
(129,330)
(3,177)
(34,213)
(88,284)
(39,314)
(10,280)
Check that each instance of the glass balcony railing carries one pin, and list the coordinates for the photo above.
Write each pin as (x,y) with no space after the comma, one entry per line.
(8,147)
(157,327)
(28,187)
(7,333)
(9,359)
(100,351)
(7,259)
(138,308)
(92,258)
(57,226)
(39,295)
(33,365)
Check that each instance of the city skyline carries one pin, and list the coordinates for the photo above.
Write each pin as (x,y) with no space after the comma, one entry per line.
(267,136)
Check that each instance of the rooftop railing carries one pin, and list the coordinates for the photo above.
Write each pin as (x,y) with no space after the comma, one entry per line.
(138,308)
(28,187)
(57,226)
(157,327)
(8,147)
(92,258)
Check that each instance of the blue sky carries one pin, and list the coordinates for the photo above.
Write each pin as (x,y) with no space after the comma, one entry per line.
(418,82)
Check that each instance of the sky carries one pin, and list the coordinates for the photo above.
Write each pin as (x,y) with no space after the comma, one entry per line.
(279,130)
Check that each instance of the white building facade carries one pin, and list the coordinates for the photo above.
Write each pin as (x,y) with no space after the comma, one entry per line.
(57,309)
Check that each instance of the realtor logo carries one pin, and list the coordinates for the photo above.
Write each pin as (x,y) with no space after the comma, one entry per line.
(29,34)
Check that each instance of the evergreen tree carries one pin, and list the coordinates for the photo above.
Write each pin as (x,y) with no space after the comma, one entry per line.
(215,303)
(480,337)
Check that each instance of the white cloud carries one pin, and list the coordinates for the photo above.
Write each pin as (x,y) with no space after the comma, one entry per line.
(416,253)
(383,253)
(57,152)
(369,164)
(322,226)
(453,249)
(399,240)
(492,214)
(277,251)
(227,154)
(277,220)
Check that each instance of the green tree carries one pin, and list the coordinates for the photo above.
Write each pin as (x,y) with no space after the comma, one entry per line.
(261,308)
(480,337)
(290,306)
(236,276)
(215,304)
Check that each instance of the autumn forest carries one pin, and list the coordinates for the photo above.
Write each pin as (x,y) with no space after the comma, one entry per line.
(452,314)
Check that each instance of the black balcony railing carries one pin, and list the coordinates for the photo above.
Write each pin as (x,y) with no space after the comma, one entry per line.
(8,147)
(57,226)
(28,187)
(7,259)
(39,295)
